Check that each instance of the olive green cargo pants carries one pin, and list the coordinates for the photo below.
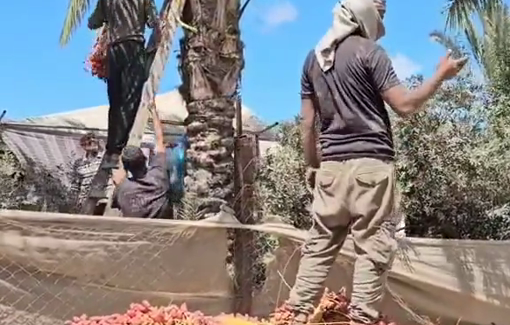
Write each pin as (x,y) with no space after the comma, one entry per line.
(356,195)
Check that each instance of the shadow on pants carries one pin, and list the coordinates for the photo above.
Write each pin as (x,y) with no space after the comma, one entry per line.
(127,73)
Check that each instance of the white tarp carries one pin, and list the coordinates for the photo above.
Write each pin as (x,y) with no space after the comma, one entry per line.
(52,142)
(61,265)
(171,107)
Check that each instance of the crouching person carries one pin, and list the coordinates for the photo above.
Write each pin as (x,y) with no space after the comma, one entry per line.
(146,194)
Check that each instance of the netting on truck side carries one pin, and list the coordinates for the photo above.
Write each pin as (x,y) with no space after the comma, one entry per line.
(58,266)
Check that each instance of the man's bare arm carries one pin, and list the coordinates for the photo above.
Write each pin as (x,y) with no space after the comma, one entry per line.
(118,176)
(158,131)
(97,18)
(309,133)
(407,102)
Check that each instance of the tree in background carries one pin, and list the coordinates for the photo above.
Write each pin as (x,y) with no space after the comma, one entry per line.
(452,181)
(485,27)
(31,188)
(281,183)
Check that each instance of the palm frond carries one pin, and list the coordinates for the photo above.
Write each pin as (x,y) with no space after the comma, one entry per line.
(475,41)
(243,8)
(496,27)
(75,12)
(450,43)
(189,208)
(458,12)
(486,27)
(447,42)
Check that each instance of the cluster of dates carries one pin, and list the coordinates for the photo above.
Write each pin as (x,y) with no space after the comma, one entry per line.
(97,62)
(145,314)
(332,309)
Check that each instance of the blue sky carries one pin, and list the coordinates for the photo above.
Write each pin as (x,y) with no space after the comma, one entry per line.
(38,77)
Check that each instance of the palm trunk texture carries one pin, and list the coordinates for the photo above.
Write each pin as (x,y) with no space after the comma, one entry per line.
(210,66)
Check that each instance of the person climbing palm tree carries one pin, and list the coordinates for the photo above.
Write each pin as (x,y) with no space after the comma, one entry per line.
(125,22)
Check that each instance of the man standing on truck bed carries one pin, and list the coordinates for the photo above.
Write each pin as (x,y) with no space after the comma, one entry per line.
(125,22)
(345,82)
(146,194)
(85,167)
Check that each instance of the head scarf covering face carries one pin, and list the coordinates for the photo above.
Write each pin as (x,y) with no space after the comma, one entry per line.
(367,14)
(380,5)
(348,17)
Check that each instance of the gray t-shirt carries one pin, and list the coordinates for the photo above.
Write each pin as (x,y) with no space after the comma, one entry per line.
(145,197)
(125,19)
(354,120)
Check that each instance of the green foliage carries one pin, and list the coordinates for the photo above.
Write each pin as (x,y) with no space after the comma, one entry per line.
(76,10)
(281,181)
(451,168)
(494,45)
(459,12)
(485,25)
(451,174)
(29,188)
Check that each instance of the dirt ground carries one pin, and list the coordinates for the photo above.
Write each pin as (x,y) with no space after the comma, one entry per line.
(11,316)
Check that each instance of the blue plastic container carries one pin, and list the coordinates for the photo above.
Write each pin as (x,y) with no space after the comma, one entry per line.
(176,162)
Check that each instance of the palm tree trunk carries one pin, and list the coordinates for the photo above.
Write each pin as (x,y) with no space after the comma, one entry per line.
(211,64)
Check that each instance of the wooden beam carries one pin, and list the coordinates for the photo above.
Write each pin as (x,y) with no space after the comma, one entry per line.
(171,12)
(244,254)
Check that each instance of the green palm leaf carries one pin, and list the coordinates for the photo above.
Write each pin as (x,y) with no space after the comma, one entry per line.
(458,12)
(488,38)
(448,43)
(451,44)
(75,12)
(496,23)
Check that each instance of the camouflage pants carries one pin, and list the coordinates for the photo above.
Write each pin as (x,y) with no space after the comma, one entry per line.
(358,195)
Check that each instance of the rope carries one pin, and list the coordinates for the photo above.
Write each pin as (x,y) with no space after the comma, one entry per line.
(76,128)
